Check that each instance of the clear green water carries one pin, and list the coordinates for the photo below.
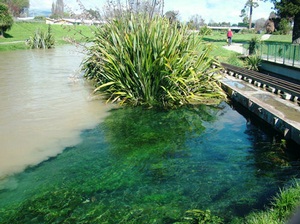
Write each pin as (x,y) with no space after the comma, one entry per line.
(148,166)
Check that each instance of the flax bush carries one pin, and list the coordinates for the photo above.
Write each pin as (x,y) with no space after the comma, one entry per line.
(141,61)
(40,39)
(252,62)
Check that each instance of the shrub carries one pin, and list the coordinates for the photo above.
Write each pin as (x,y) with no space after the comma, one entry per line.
(205,31)
(252,62)
(41,39)
(284,27)
(141,61)
(253,45)
(247,31)
(40,18)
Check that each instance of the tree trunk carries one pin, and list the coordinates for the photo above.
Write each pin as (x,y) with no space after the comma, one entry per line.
(296,29)
(250,17)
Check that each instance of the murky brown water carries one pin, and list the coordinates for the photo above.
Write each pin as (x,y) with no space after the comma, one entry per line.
(44,105)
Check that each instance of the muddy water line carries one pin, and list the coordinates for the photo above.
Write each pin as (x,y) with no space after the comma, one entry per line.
(44,106)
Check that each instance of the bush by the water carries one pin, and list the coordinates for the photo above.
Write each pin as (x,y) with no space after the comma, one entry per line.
(44,40)
(139,60)
(283,208)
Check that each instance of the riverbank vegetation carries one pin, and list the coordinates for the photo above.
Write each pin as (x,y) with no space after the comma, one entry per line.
(139,60)
(282,208)
(44,40)
(6,20)
(15,39)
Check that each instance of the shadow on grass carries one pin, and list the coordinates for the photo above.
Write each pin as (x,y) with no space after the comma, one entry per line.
(6,35)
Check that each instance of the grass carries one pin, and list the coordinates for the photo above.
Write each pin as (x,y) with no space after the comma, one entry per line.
(219,36)
(21,31)
(224,55)
(283,207)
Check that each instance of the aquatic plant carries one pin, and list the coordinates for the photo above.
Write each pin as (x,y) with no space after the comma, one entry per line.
(138,60)
(154,168)
(201,217)
(140,155)
(40,39)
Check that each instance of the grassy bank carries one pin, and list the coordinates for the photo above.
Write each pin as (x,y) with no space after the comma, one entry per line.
(283,207)
(220,37)
(21,31)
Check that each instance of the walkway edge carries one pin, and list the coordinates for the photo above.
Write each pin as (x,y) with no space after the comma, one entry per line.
(289,129)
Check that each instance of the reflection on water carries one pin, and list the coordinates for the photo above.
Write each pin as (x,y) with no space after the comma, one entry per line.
(43,106)
(148,166)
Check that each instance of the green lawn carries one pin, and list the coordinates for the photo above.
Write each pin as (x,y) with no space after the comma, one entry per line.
(21,31)
(244,38)
(218,38)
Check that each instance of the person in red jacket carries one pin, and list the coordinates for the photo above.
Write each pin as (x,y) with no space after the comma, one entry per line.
(229,37)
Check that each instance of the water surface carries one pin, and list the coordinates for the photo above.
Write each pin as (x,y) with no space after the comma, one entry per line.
(148,166)
(66,159)
(44,105)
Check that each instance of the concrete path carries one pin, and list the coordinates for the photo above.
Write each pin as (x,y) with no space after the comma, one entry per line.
(265,37)
(13,42)
(281,114)
(237,48)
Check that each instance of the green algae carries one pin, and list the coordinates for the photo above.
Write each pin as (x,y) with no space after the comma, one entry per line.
(147,166)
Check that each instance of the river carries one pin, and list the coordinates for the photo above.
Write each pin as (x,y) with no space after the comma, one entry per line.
(44,105)
(67,158)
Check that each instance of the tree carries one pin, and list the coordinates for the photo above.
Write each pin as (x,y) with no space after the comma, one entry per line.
(57,9)
(172,16)
(250,4)
(93,14)
(115,9)
(16,7)
(270,26)
(196,21)
(290,9)
(6,20)
(260,24)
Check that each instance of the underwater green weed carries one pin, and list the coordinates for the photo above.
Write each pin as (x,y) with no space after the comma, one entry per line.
(201,217)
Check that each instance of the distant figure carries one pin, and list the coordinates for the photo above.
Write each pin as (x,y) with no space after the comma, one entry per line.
(229,37)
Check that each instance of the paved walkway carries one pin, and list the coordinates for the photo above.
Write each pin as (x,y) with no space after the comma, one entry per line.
(13,42)
(237,48)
